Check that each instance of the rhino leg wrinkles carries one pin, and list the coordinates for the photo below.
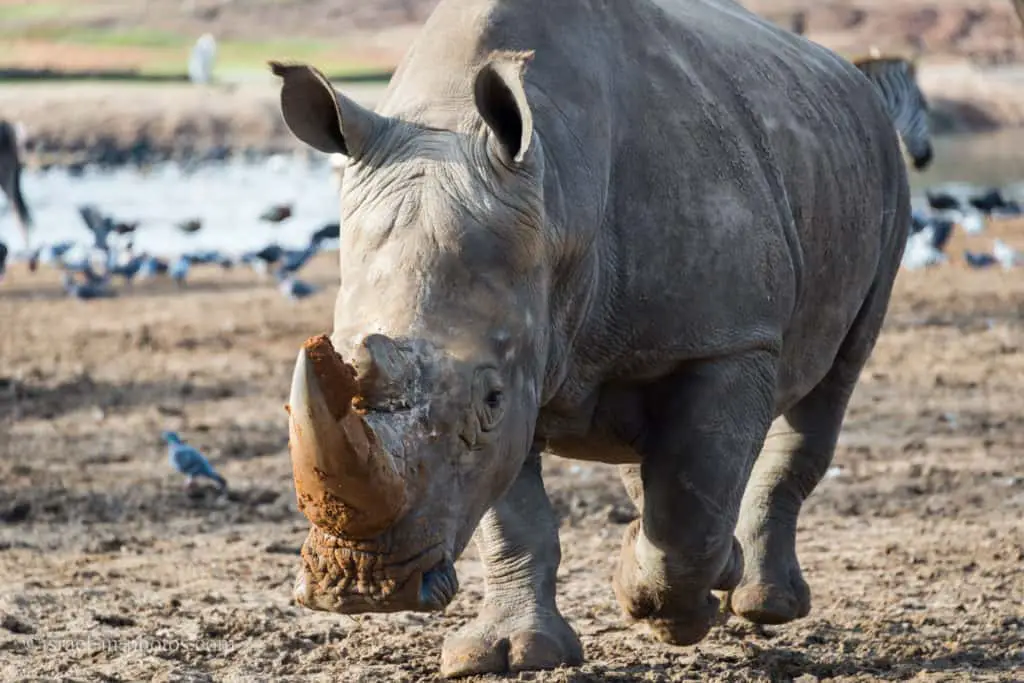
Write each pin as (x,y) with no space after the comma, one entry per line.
(795,457)
(707,425)
(519,627)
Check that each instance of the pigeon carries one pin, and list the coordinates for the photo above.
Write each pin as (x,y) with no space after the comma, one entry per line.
(130,269)
(972,222)
(81,264)
(152,266)
(55,252)
(85,290)
(264,258)
(1012,209)
(210,256)
(101,226)
(179,270)
(295,289)
(294,260)
(942,201)
(919,220)
(125,228)
(190,461)
(993,202)
(277,213)
(1007,256)
(331,231)
(920,252)
(942,229)
(976,260)
(190,226)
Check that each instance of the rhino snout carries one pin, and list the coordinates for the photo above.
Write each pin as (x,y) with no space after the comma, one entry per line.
(348,577)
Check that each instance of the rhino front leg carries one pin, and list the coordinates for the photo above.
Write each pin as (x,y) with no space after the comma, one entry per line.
(707,424)
(519,627)
(796,456)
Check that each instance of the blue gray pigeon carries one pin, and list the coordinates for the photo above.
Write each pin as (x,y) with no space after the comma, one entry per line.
(978,260)
(101,226)
(151,267)
(86,290)
(179,269)
(130,269)
(190,462)
(293,288)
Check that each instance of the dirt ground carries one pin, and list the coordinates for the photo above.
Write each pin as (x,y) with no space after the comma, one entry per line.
(109,571)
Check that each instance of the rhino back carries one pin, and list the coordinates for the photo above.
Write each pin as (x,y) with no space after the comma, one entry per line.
(714,183)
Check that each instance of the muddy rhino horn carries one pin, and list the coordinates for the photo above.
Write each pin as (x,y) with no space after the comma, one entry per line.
(345,480)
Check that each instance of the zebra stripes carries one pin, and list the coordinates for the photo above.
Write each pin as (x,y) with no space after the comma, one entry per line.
(10,177)
(895,80)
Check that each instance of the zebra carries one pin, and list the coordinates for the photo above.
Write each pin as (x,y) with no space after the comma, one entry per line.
(895,80)
(10,177)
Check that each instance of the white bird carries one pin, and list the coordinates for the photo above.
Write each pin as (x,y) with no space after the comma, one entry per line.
(1007,256)
(200,62)
(921,251)
(972,222)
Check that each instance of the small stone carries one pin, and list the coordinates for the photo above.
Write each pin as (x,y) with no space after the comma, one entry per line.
(13,624)
(618,514)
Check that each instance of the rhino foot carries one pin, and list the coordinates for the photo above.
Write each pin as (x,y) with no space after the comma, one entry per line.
(674,610)
(768,602)
(505,640)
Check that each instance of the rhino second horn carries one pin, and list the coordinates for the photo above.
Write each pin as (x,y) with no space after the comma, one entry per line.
(345,480)
(383,370)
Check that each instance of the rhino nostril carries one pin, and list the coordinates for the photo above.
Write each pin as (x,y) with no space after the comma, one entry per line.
(438,586)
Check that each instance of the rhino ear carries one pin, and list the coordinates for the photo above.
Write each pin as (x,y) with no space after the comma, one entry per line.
(320,116)
(500,97)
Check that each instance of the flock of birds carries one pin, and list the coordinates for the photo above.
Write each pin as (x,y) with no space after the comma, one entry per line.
(90,268)
(931,229)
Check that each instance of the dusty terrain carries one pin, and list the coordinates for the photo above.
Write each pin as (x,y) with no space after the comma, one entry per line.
(110,571)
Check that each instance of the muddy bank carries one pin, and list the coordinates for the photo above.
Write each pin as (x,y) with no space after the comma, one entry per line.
(117,123)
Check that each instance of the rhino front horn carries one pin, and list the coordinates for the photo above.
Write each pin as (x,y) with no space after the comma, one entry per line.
(346,481)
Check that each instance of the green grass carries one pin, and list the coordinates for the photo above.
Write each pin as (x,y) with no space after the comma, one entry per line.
(160,53)
(36,11)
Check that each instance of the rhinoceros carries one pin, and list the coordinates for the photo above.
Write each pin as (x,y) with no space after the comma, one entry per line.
(641,233)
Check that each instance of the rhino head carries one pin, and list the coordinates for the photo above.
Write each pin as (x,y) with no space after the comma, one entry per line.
(417,412)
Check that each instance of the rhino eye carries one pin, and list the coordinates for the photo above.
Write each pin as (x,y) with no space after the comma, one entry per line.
(490,399)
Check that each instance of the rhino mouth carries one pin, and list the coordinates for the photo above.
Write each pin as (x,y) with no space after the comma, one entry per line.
(354,577)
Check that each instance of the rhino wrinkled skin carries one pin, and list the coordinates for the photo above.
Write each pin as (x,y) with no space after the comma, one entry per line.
(643,233)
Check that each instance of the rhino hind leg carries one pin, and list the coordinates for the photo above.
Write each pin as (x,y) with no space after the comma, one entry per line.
(519,627)
(796,455)
(706,426)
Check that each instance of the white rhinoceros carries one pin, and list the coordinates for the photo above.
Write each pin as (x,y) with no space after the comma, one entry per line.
(632,232)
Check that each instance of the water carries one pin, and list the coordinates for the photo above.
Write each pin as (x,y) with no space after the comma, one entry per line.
(229,197)
(995,159)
